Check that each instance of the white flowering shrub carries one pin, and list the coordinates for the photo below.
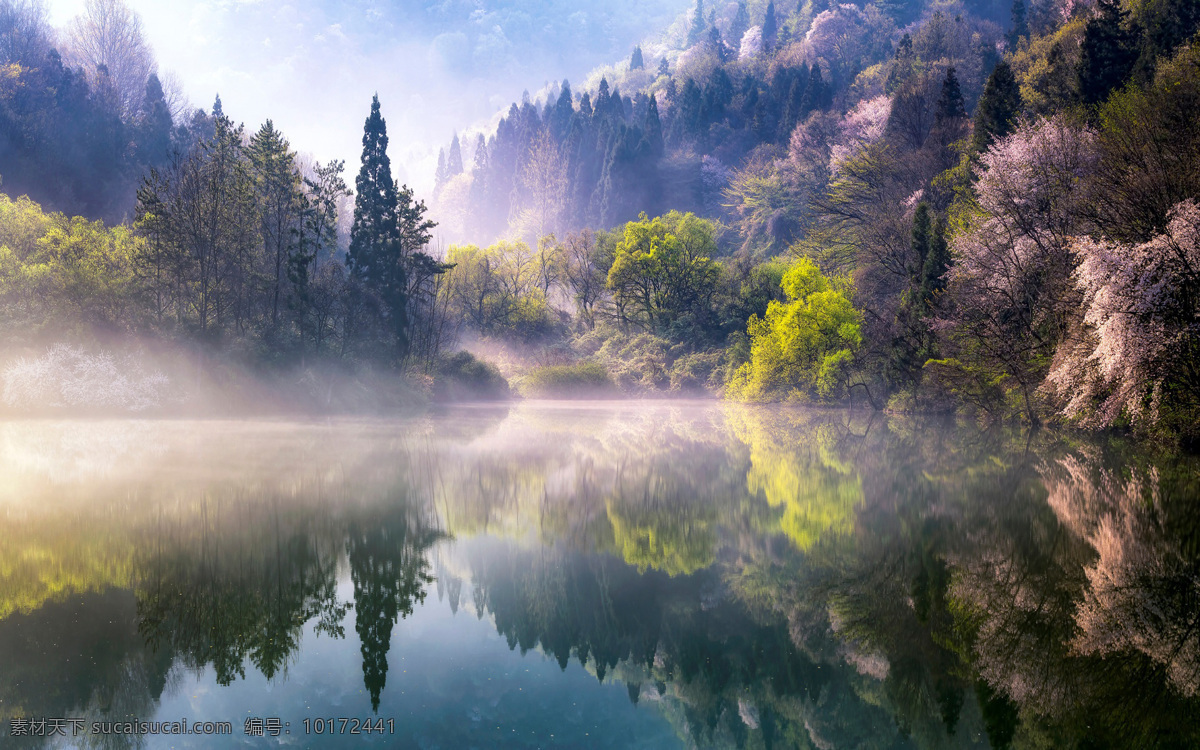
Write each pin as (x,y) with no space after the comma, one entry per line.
(70,377)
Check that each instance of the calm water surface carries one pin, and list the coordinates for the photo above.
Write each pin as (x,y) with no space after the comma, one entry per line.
(626,576)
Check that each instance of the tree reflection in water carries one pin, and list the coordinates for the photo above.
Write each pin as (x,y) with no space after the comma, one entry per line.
(762,578)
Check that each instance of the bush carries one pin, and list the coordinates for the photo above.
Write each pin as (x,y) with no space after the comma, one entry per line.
(67,377)
(583,380)
(462,377)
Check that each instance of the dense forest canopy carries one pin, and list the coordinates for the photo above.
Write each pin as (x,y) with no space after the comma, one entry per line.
(975,205)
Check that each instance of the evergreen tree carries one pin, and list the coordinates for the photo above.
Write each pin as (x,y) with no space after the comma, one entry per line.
(635,61)
(739,26)
(696,30)
(770,27)
(277,183)
(154,125)
(439,175)
(718,44)
(903,63)
(375,255)
(937,262)
(1020,26)
(1107,53)
(999,107)
(950,103)
(454,162)
(817,94)
(652,132)
(664,68)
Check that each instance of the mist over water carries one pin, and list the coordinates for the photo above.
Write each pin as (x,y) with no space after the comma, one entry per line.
(599,575)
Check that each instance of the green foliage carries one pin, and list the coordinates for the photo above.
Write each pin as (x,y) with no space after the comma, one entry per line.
(496,291)
(999,107)
(60,274)
(463,377)
(583,380)
(662,274)
(802,348)
(376,248)
(1107,53)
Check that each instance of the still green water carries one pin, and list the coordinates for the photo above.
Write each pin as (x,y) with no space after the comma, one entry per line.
(559,575)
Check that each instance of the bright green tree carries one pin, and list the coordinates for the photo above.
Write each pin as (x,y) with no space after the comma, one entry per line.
(801,348)
(663,270)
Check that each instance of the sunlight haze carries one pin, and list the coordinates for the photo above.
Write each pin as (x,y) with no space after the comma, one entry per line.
(312,65)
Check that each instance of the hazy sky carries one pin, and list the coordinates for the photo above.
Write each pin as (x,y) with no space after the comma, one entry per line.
(312,65)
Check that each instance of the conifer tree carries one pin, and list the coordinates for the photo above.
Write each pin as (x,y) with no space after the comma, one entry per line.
(1107,53)
(439,175)
(937,262)
(652,132)
(375,254)
(664,68)
(739,26)
(1020,25)
(999,107)
(154,125)
(816,95)
(635,61)
(770,27)
(718,44)
(696,30)
(950,103)
(454,162)
(280,204)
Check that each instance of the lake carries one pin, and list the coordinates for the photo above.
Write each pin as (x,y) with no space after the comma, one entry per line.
(626,575)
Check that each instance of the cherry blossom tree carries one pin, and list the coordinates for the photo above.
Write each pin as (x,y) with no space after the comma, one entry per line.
(1011,288)
(1142,323)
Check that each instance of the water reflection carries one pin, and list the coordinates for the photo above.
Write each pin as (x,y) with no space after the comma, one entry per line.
(752,578)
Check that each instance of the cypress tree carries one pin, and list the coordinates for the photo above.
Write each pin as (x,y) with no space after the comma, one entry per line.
(375,254)
(635,61)
(998,109)
(770,27)
(1107,54)
(664,68)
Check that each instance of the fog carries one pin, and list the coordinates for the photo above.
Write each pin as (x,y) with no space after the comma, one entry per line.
(312,65)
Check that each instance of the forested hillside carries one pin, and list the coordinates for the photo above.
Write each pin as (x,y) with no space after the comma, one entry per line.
(978,205)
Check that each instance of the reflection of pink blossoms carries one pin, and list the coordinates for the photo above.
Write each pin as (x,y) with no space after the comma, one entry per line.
(1142,586)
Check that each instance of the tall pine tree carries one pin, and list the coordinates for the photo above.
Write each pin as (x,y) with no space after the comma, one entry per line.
(999,107)
(770,27)
(1107,54)
(375,257)
(696,30)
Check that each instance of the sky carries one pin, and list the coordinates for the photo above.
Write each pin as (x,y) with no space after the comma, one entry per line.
(437,65)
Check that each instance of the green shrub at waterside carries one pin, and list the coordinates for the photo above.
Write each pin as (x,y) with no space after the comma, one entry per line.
(582,380)
(463,377)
